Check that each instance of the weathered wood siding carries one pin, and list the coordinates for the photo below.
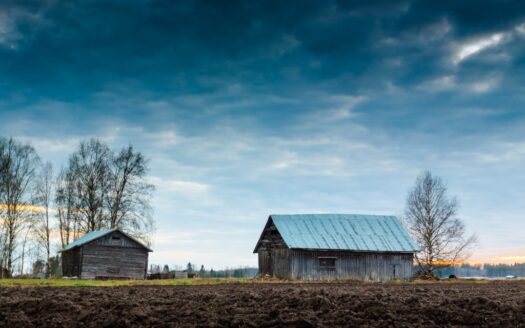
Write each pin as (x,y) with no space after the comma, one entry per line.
(114,256)
(351,265)
(264,263)
(117,239)
(275,262)
(71,262)
(274,255)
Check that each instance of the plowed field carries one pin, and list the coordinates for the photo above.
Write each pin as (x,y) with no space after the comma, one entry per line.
(499,304)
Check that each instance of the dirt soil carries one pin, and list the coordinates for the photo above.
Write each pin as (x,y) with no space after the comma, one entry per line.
(265,305)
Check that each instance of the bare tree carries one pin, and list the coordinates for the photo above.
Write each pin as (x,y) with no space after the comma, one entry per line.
(431,216)
(66,214)
(43,224)
(3,238)
(100,189)
(19,163)
(89,166)
(129,197)
(26,242)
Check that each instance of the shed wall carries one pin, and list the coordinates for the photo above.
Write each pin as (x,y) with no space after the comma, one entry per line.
(112,256)
(71,262)
(351,265)
(113,262)
(275,262)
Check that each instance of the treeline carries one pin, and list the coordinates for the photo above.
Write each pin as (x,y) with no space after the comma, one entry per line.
(485,270)
(194,270)
(98,188)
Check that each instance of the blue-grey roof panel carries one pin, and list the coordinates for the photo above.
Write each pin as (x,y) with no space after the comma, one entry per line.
(344,232)
(88,237)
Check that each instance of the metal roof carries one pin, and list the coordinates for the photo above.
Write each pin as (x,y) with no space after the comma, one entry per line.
(370,233)
(90,236)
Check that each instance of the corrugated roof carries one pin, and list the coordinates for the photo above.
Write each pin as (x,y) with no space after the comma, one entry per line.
(90,236)
(344,232)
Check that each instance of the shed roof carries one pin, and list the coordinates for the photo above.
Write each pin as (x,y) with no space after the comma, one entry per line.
(356,232)
(90,236)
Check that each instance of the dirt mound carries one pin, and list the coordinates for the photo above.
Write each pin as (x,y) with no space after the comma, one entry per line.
(267,305)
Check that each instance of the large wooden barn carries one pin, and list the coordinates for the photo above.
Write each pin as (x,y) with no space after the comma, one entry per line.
(105,254)
(335,246)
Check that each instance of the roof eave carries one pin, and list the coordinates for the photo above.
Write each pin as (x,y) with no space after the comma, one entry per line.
(105,234)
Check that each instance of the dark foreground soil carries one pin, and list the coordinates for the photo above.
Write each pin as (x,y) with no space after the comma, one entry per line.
(254,305)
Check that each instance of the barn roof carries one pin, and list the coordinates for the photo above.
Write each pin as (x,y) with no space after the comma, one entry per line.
(90,236)
(356,232)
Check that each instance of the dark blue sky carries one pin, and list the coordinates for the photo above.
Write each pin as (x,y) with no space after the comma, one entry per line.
(249,108)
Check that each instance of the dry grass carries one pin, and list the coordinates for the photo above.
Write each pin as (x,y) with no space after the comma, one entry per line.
(216,281)
(112,283)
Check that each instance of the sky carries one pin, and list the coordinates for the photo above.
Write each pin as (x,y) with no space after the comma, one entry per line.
(251,108)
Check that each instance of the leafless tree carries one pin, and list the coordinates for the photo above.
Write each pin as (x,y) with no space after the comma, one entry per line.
(43,224)
(89,166)
(19,163)
(129,197)
(25,244)
(66,213)
(431,216)
(102,189)
(3,238)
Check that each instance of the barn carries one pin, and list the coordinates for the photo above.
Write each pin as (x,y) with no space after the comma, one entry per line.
(335,246)
(105,254)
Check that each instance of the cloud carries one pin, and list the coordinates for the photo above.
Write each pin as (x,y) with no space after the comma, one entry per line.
(7,32)
(471,48)
(181,186)
(484,86)
(53,146)
(520,29)
(451,83)
(442,83)
(507,152)
(13,21)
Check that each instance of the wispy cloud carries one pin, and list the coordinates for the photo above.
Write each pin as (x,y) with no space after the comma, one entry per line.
(506,152)
(520,29)
(169,185)
(451,83)
(471,48)
(8,33)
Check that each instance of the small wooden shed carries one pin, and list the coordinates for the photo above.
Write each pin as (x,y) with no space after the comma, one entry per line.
(335,246)
(105,254)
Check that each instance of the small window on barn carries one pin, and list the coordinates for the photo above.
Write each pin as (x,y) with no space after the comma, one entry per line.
(327,262)
(115,238)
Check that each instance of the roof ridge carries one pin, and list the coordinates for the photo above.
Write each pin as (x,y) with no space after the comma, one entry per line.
(341,214)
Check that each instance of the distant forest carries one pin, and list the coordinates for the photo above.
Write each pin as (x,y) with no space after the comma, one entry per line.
(485,270)
(194,271)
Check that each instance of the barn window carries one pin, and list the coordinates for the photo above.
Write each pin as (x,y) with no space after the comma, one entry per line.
(327,262)
(115,238)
